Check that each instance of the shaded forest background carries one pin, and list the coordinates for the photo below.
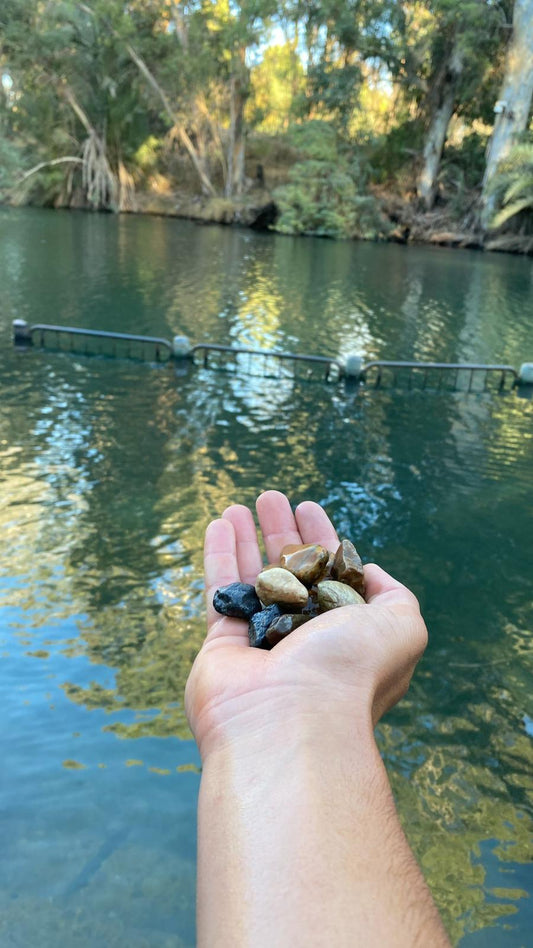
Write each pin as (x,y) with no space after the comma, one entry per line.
(342,118)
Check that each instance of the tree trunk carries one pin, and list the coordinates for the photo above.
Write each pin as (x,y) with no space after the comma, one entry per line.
(514,105)
(184,138)
(236,137)
(180,25)
(438,126)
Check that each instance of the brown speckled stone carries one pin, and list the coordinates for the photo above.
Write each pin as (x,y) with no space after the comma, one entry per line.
(348,568)
(307,561)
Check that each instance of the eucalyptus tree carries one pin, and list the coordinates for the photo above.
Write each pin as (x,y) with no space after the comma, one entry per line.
(462,42)
(200,70)
(513,107)
(236,31)
(77,92)
(338,38)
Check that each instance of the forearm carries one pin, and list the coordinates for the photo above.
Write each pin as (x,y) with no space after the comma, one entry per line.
(300,845)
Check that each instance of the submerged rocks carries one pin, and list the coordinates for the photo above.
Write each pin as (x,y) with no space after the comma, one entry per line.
(308,580)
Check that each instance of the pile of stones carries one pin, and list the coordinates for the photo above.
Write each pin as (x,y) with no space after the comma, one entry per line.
(307,581)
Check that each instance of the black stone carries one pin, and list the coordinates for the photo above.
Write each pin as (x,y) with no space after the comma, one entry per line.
(259,625)
(238,600)
(283,626)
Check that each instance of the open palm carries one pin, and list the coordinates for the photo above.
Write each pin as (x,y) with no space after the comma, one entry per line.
(358,654)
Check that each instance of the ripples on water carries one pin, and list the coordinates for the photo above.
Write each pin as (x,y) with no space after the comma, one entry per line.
(109,472)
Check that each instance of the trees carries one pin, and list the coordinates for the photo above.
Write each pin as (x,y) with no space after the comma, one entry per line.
(92,82)
(76,94)
(464,39)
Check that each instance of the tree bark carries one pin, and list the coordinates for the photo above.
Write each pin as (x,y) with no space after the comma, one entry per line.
(438,126)
(180,25)
(239,91)
(514,104)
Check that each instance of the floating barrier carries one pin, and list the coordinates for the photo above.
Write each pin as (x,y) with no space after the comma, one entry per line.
(446,376)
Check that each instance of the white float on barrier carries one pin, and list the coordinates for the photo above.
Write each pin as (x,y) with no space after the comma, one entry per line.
(181,347)
(525,374)
(353,365)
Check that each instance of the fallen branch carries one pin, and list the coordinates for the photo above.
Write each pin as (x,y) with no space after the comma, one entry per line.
(46,164)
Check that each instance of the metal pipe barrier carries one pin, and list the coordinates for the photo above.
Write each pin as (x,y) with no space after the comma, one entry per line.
(266,363)
(119,343)
(462,375)
(446,376)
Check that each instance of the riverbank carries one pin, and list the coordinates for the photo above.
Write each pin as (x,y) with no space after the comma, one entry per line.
(393,213)
(408,224)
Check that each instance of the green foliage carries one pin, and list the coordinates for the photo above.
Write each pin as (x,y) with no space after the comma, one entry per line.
(512,187)
(347,74)
(315,139)
(277,83)
(392,152)
(326,194)
(147,155)
(463,165)
(10,156)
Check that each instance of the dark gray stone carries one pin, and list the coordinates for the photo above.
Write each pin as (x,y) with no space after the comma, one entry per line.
(238,600)
(259,625)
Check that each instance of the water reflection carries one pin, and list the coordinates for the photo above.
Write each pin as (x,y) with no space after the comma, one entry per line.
(110,473)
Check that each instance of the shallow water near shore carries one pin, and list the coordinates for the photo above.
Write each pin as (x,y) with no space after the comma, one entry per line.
(110,471)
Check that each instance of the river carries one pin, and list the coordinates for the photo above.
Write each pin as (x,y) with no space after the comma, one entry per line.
(111,468)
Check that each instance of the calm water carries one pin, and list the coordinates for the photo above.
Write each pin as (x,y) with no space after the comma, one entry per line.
(110,471)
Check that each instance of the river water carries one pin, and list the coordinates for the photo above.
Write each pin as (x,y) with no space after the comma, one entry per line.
(110,470)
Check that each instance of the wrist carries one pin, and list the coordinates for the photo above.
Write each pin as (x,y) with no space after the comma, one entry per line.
(304,731)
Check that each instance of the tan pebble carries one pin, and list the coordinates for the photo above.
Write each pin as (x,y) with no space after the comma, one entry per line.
(333,595)
(278,585)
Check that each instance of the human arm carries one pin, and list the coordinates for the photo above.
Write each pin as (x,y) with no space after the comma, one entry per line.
(299,841)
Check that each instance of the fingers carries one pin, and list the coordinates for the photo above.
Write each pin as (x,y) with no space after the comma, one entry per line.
(220,562)
(315,526)
(221,568)
(277,523)
(249,560)
(383,589)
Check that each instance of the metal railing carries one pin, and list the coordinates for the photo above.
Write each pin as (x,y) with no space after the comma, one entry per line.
(453,376)
(101,342)
(265,363)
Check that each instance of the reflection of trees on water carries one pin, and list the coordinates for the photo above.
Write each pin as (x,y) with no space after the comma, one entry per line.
(461,814)
(120,469)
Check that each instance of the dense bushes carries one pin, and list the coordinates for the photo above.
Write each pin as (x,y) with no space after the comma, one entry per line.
(326,194)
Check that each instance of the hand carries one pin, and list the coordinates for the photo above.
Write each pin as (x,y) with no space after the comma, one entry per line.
(351,663)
